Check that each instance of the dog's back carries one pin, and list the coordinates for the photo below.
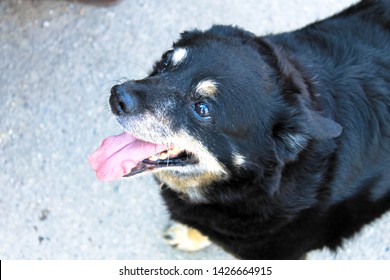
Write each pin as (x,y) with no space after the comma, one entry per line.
(347,58)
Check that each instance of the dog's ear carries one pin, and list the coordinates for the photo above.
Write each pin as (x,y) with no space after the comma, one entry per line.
(302,119)
(319,127)
(292,134)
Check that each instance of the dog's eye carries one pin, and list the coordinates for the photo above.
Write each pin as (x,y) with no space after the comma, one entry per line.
(202,110)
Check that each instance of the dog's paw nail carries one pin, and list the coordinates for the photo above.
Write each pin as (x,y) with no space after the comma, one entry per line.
(185,238)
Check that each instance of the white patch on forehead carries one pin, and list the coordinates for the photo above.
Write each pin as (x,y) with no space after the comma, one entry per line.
(207,87)
(178,56)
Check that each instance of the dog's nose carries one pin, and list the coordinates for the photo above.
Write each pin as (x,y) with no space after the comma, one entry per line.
(122,101)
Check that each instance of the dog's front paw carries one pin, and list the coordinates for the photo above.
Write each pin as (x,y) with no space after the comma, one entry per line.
(185,238)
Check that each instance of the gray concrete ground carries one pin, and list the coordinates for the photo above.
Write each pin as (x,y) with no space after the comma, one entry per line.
(58,61)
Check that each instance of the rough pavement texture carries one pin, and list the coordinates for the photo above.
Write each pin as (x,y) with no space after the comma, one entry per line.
(58,62)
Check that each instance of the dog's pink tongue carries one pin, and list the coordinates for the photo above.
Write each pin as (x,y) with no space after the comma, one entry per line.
(119,154)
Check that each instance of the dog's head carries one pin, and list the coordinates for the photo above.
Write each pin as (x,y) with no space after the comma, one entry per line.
(218,104)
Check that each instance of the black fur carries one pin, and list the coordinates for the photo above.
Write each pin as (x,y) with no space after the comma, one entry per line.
(331,188)
(309,111)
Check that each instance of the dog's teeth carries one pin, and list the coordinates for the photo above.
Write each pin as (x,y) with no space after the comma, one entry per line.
(163,156)
(172,152)
(153,158)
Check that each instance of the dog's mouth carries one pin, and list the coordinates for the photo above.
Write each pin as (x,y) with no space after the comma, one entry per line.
(169,158)
(124,155)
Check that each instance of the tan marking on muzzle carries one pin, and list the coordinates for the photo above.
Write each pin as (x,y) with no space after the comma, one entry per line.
(189,180)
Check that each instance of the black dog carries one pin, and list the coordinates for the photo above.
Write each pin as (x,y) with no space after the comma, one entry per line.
(271,146)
